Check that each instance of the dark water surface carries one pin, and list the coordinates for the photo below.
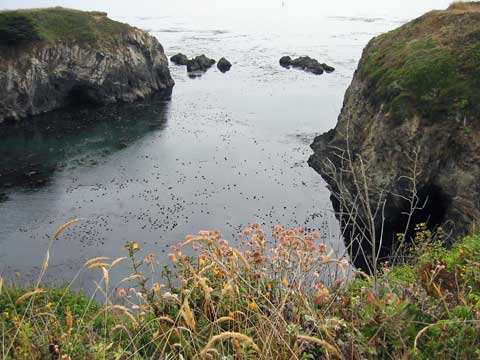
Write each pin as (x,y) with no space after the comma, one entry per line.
(227,150)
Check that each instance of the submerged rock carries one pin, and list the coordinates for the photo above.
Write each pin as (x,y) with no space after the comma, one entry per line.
(179,59)
(90,60)
(200,63)
(306,63)
(224,65)
(413,101)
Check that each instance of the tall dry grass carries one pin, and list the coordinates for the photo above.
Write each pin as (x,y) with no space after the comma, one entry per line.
(291,300)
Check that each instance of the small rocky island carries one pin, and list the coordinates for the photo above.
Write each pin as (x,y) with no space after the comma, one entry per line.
(200,63)
(224,65)
(306,63)
(54,58)
(415,96)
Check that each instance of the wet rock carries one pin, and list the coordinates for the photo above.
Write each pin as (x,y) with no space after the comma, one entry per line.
(200,63)
(224,65)
(306,63)
(328,68)
(179,59)
(285,61)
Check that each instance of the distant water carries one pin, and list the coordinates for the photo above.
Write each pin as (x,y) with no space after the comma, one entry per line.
(227,150)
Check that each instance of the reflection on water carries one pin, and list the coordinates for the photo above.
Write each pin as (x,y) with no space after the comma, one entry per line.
(34,150)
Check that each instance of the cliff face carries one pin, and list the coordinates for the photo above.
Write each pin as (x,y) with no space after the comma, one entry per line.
(93,60)
(416,91)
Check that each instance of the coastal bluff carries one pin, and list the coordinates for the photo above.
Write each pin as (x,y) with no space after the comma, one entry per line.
(411,112)
(55,57)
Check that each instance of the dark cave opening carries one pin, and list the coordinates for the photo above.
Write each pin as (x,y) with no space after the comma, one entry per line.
(83,95)
(434,204)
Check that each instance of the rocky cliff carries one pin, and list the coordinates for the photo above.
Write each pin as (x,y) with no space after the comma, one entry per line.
(53,58)
(412,110)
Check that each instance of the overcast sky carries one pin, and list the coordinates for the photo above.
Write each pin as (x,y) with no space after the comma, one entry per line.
(242,8)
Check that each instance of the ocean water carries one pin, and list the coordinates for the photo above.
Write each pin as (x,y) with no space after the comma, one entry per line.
(227,150)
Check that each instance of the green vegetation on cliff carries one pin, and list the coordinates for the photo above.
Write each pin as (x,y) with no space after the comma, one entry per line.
(428,67)
(19,27)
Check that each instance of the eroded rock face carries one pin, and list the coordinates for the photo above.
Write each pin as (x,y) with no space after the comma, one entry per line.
(386,138)
(42,77)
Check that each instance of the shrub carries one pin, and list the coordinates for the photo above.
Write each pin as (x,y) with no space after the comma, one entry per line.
(16,29)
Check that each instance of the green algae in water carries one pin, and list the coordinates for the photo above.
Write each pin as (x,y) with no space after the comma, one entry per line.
(32,151)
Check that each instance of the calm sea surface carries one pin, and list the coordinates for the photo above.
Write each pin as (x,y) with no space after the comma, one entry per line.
(227,150)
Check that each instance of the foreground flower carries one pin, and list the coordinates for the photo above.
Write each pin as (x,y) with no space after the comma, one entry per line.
(322,295)
(253,305)
(344,263)
(149,259)
(156,287)
(173,258)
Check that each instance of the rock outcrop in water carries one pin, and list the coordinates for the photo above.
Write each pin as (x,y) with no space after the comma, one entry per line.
(306,63)
(200,63)
(416,88)
(53,58)
(224,65)
(179,59)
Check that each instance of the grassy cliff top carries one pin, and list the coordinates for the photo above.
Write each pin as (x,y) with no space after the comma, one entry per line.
(428,67)
(18,27)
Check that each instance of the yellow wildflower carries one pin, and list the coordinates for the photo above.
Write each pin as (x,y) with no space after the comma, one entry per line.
(201,262)
(135,246)
(285,282)
(253,305)
(6,315)
(156,287)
